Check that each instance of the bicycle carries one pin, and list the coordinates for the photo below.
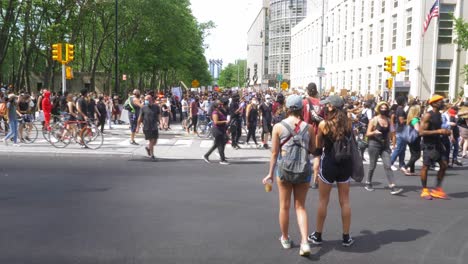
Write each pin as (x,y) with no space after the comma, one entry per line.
(27,130)
(63,133)
(204,127)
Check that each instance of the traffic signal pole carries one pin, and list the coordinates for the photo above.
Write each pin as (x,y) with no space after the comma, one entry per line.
(64,80)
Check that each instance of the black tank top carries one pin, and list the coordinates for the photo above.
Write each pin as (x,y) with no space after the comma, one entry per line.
(23,106)
(435,122)
(253,115)
(381,138)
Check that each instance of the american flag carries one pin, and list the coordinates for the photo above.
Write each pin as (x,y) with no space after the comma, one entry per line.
(434,12)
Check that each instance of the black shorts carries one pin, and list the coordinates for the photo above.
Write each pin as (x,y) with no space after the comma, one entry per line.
(151,134)
(433,153)
(267,127)
(330,171)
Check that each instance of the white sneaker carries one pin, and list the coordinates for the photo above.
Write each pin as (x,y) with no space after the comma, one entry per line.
(305,250)
(5,141)
(16,145)
(224,163)
(394,168)
(286,243)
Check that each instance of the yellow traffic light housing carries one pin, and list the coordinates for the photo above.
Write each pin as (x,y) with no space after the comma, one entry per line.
(57,52)
(401,64)
(388,65)
(389,83)
(69,73)
(69,52)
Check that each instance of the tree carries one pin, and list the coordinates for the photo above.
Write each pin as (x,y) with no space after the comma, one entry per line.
(233,75)
(461,27)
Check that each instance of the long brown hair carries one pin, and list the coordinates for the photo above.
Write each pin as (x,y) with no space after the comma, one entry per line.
(337,124)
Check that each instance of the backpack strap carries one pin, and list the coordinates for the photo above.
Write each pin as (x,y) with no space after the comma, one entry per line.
(292,132)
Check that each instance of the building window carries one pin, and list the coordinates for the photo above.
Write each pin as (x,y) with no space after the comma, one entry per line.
(359,83)
(339,21)
(407,71)
(352,45)
(380,84)
(443,77)
(362,11)
(395,3)
(394,32)
(360,43)
(372,9)
(382,31)
(409,21)
(351,80)
(344,49)
(383,7)
(346,17)
(354,13)
(343,83)
(371,39)
(338,57)
(369,80)
(446,24)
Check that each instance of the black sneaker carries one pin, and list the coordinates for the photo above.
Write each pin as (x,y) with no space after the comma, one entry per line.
(394,190)
(315,239)
(369,187)
(265,146)
(148,151)
(348,242)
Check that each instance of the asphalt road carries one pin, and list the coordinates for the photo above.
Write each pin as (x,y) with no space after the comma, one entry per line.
(94,210)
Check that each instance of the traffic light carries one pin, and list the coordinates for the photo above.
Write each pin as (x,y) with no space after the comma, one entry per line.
(389,83)
(57,52)
(69,73)
(69,52)
(401,64)
(388,64)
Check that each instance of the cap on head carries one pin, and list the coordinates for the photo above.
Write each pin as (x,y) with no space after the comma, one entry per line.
(436,98)
(294,102)
(334,100)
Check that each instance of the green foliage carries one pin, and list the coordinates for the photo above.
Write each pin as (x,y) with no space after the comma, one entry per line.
(233,75)
(461,27)
(160,42)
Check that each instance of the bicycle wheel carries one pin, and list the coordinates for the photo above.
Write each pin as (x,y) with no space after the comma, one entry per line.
(92,137)
(30,133)
(59,136)
(202,130)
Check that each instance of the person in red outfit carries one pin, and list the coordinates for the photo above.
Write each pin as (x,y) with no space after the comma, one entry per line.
(47,108)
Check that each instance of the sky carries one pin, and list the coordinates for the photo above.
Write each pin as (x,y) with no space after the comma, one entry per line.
(233,18)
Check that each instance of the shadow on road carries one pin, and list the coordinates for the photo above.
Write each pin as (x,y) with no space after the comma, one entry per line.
(368,241)
(460,195)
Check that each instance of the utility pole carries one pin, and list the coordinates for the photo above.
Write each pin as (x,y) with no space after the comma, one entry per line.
(321,45)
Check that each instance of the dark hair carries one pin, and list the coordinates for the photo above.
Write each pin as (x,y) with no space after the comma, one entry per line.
(401,100)
(338,124)
(312,89)
(295,112)
(84,91)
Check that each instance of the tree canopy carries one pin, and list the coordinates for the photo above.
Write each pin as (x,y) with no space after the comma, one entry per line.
(233,75)
(461,27)
(160,42)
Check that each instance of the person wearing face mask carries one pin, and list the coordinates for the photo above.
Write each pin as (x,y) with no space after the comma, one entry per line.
(12,115)
(251,120)
(134,114)
(433,149)
(220,123)
(150,115)
(378,134)
(266,114)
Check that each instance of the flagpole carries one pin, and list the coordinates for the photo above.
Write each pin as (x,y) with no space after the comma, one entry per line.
(434,51)
(421,54)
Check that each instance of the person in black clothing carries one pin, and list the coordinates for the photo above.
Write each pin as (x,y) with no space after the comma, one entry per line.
(82,106)
(251,120)
(266,114)
(63,102)
(433,149)
(91,107)
(236,121)
(150,114)
(101,112)
(219,117)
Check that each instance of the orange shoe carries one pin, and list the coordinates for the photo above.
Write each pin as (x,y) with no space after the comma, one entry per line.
(425,194)
(439,193)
